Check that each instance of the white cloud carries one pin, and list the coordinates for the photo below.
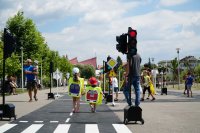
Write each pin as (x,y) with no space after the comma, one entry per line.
(172,2)
(160,32)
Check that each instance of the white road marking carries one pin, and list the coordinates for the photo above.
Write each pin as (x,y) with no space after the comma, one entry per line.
(33,128)
(121,128)
(23,121)
(62,128)
(67,120)
(54,121)
(71,114)
(38,121)
(6,127)
(91,128)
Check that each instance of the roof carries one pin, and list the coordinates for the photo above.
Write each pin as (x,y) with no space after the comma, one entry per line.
(74,61)
(92,61)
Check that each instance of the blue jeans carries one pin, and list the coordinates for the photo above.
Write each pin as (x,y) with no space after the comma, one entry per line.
(135,83)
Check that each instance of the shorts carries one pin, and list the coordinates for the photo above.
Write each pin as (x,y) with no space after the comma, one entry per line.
(116,89)
(189,87)
(31,85)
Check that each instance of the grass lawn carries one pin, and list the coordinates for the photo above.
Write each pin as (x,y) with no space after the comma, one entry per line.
(196,86)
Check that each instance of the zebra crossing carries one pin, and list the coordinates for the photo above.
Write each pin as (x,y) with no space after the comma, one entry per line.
(63,128)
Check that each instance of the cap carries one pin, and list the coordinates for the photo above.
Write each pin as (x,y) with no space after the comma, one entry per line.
(93,81)
(36,61)
(75,70)
(28,60)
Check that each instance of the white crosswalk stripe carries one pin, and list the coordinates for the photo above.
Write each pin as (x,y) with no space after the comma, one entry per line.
(33,128)
(121,128)
(6,127)
(91,128)
(62,128)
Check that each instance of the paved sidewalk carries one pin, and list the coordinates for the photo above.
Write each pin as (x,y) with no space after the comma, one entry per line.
(172,113)
(23,106)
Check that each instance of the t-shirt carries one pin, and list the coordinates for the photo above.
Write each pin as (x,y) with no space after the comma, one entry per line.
(115,82)
(136,65)
(146,81)
(30,77)
(189,80)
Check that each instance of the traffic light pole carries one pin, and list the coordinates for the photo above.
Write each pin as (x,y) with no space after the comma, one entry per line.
(4,59)
(3,92)
(130,77)
(103,76)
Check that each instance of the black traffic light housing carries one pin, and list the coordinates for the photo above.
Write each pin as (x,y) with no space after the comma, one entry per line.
(132,41)
(107,68)
(127,47)
(122,43)
(9,43)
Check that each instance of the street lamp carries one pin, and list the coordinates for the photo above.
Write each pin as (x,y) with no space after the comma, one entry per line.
(178,49)
(22,60)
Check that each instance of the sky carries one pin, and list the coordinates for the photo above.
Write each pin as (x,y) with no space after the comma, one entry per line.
(88,28)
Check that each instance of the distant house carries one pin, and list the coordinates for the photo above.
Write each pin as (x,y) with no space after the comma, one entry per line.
(74,61)
(91,61)
(188,62)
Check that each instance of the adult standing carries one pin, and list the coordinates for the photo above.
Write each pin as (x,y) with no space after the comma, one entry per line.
(189,83)
(134,75)
(31,73)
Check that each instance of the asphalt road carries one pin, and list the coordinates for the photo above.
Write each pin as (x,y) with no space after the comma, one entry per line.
(172,113)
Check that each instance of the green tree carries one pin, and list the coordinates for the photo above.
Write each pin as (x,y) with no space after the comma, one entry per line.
(86,71)
(65,65)
(174,68)
(197,73)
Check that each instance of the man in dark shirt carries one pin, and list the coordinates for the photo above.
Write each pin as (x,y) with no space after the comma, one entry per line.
(135,79)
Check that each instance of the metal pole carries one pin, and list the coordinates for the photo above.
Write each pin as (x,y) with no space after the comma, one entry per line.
(178,68)
(103,76)
(22,60)
(119,81)
(41,75)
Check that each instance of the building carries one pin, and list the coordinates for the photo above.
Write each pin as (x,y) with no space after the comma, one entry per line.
(91,61)
(188,62)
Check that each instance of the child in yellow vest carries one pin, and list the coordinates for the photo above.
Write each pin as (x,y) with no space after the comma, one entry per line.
(94,94)
(146,84)
(76,88)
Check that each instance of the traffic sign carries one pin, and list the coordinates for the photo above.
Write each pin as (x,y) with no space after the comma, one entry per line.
(112,73)
(112,63)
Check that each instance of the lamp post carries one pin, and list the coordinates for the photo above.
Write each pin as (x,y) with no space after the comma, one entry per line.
(178,49)
(22,60)
(41,74)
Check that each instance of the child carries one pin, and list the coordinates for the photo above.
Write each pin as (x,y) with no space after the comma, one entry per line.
(147,82)
(13,85)
(94,94)
(76,87)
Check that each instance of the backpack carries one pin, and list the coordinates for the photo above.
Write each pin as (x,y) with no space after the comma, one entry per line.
(74,90)
(92,96)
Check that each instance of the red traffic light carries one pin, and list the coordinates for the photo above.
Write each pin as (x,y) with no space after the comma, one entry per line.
(132,33)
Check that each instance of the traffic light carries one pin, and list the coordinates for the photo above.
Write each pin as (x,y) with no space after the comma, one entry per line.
(51,67)
(122,43)
(9,43)
(132,41)
(107,68)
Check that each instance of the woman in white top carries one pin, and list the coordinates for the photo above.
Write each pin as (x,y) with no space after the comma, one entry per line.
(116,87)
